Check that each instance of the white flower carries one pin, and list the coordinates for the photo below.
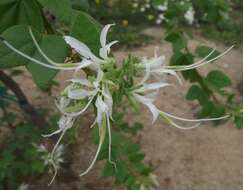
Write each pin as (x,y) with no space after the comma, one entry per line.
(89,59)
(23,186)
(156,67)
(189,15)
(103,104)
(135,5)
(159,21)
(82,92)
(65,123)
(146,93)
(86,53)
(163,7)
(142,9)
(147,5)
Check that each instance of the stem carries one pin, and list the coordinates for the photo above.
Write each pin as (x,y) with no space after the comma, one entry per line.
(33,115)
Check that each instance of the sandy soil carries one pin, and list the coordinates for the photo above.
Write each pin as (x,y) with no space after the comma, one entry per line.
(206,158)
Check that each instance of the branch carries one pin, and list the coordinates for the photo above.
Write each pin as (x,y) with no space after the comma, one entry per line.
(33,115)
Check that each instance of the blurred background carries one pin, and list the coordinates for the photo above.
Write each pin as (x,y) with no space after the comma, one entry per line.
(206,158)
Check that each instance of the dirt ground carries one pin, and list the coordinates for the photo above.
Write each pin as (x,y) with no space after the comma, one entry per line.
(206,158)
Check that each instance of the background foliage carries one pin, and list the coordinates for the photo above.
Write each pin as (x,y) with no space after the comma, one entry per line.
(51,19)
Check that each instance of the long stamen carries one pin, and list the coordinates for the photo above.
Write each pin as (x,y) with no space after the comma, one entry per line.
(45,56)
(184,128)
(52,156)
(171,122)
(102,132)
(109,134)
(193,66)
(51,134)
(194,120)
(76,113)
(196,63)
(94,160)
(35,60)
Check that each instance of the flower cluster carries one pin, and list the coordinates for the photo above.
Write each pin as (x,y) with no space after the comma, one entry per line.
(157,12)
(47,158)
(97,87)
(23,186)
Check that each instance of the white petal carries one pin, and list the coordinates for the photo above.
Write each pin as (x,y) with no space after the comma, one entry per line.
(108,100)
(168,71)
(147,73)
(153,95)
(103,34)
(153,110)
(152,86)
(154,62)
(78,94)
(101,109)
(65,122)
(105,50)
(84,82)
(99,78)
(148,102)
(53,133)
(81,48)
(194,120)
(75,114)
(83,64)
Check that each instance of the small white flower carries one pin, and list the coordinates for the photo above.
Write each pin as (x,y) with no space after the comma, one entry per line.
(86,53)
(163,7)
(89,59)
(147,6)
(135,5)
(189,15)
(23,186)
(142,9)
(95,89)
(158,21)
(146,93)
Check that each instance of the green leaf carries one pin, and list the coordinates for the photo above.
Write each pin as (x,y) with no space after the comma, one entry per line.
(134,129)
(121,173)
(196,93)
(14,12)
(137,157)
(37,166)
(22,42)
(53,46)
(87,30)
(108,170)
(60,8)
(203,51)
(218,79)
(82,5)
(56,49)
(178,41)
(238,120)
(180,58)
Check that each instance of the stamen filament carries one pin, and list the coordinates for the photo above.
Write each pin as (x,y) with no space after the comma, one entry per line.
(171,122)
(52,156)
(77,113)
(193,120)
(35,60)
(109,134)
(102,132)
(198,64)
(45,56)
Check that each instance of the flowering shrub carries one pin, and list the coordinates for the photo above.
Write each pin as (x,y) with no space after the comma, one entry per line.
(159,11)
(74,41)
